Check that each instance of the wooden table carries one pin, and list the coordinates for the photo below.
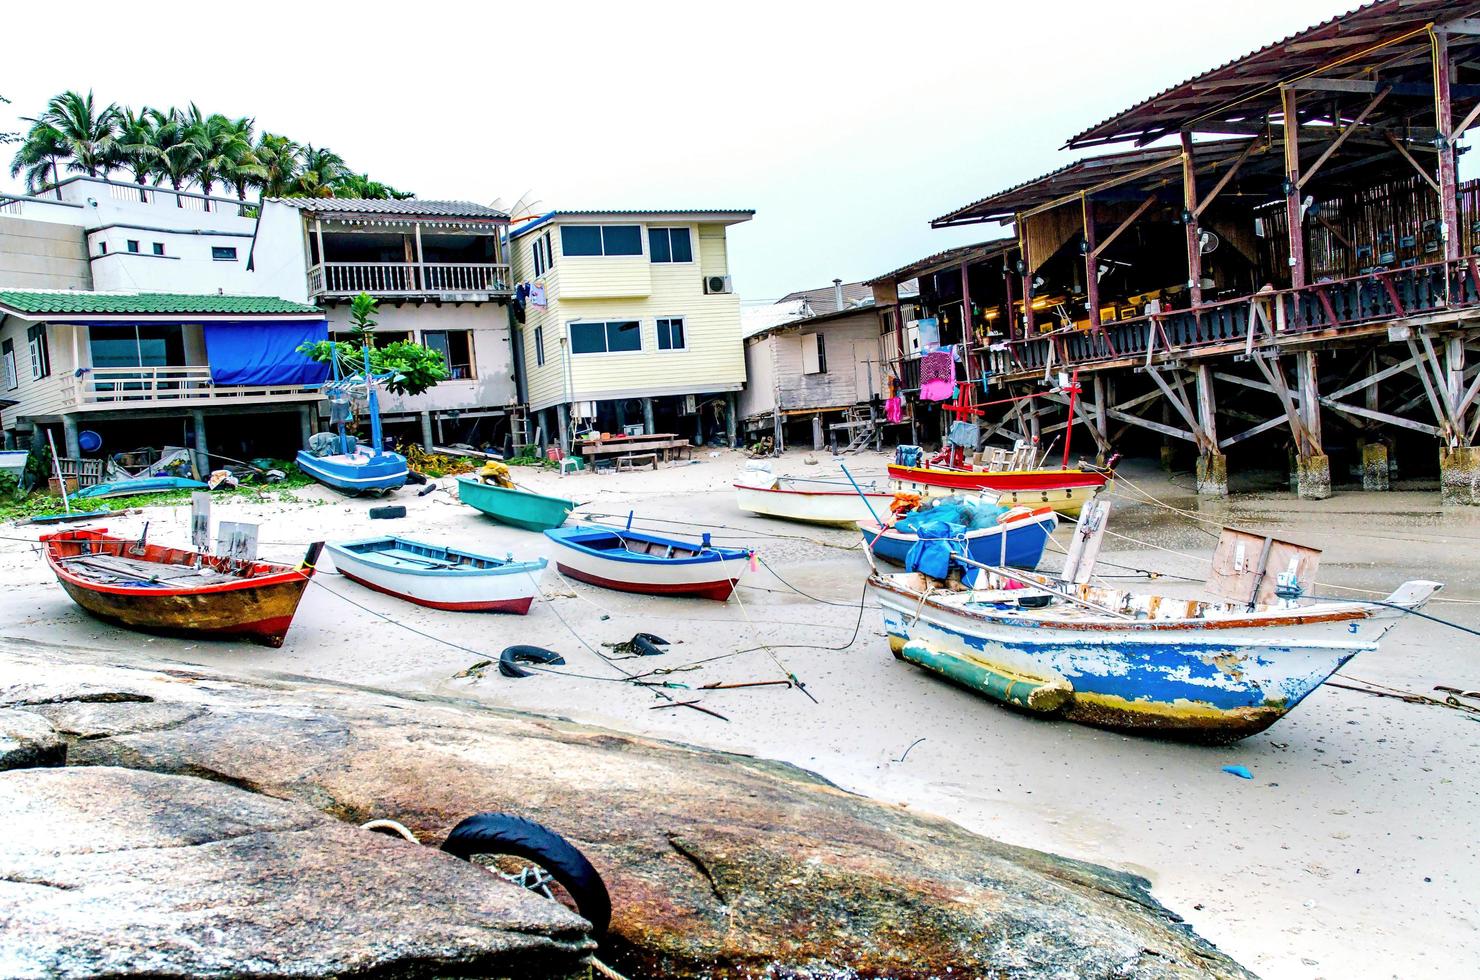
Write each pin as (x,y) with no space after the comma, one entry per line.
(662,443)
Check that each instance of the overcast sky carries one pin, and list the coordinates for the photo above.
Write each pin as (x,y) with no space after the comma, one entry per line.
(847,126)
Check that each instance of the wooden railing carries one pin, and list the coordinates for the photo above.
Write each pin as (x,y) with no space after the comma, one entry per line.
(132,386)
(1389,294)
(407,278)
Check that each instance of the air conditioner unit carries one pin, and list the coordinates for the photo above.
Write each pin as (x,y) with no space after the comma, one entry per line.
(717,284)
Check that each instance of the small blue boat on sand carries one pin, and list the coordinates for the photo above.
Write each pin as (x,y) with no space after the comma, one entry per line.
(349,467)
(650,564)
(138,485)
(990,535)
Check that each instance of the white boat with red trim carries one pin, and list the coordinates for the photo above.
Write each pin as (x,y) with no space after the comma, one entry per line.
(830,502)
(651,564)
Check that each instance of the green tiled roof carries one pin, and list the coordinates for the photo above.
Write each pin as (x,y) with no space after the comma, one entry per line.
(45,302)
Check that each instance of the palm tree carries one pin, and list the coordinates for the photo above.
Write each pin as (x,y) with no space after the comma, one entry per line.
(41,148)
(137,150)
(179,154)
(89,133)
(360,185)
(239,166)
(7,137)
(280,160)
(319,171)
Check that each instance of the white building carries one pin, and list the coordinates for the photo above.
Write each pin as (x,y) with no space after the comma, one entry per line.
(439,272)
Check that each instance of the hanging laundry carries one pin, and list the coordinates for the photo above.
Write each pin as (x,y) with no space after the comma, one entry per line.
(894,409)
(937,376)
(929,331)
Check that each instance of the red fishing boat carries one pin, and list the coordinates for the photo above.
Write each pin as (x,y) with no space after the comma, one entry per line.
(1065,490)
(176,592)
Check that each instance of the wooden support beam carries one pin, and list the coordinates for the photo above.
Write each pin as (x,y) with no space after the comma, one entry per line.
(1343,136)
(1233,169)
(1106,185)
(1308,381)
(1207,413)
(1368,413)
(1091,262)
(1444,122)
(1271,369)
(1264,426)
(1374,378)
(1140,210)
(1403,152)
(1460,25)
(1189,227)
(1293,217)
(1441,413)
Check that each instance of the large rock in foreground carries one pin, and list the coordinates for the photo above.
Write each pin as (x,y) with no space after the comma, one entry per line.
(718,865)
(117,873)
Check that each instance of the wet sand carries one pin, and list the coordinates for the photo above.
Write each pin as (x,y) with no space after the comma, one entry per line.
(1351,852)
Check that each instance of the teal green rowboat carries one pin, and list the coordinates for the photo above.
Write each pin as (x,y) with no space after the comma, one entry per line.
(520,508)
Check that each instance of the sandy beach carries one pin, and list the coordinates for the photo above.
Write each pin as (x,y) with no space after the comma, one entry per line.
(1350,852)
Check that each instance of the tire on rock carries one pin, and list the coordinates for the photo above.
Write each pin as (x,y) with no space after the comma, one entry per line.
(504,833)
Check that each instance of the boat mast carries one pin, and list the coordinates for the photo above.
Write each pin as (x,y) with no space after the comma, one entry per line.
(344,447)
(375,437)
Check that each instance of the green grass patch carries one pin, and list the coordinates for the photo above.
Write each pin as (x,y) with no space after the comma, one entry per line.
(12,509)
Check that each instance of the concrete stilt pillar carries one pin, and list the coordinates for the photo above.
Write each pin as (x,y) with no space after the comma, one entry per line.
(647,416)
(621,416)
(562,412)
(1313,477)
(1459,476)
(198,428)
(1212,475)
(776,437)
(817,432)
(1374,466)
(542,429)
(699,426)
(730,420)
(305,425)
(70,444)
(427,442)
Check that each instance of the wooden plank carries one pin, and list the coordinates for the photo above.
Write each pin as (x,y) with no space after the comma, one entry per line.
(1264,426)
(1376,416)
(1342,137)
(1403,151)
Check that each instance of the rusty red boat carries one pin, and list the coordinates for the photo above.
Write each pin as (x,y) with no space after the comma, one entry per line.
(175,592)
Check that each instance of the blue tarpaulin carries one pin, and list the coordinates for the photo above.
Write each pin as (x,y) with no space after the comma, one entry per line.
(265,352)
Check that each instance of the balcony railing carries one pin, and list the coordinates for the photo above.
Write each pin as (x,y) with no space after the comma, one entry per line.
(1390,294)
(135,386)
(407,278)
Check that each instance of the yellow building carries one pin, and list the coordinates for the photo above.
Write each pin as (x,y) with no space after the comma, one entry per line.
(630,319)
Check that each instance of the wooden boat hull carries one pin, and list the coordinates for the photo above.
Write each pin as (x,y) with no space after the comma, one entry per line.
(1214,683)
(1014,544)
(510,587)
(259,609)
(834,508)
(360,473)
(1066,491)
(712,575)
(517,508)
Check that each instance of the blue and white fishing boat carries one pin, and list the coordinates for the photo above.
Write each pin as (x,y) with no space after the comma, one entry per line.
(350,467)
(650,564)
(1173,668)
(439,577)
(1017,539)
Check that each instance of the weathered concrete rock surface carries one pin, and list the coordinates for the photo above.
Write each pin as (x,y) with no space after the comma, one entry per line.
(109,872)
(719,865)
(27,740)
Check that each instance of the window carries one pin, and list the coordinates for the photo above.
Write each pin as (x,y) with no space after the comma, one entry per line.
(601,239)
(537,250)
(223,253)
(456,348)
(670,245)
(40,352)
(814,354)
(539,346)
(133,244)
(7,354)
(670,333)
(102,248)
(549,252)
(159,248)
(149,345)
(608,337)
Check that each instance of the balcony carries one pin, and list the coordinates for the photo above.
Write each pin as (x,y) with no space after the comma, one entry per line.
(184,386)
(425,280)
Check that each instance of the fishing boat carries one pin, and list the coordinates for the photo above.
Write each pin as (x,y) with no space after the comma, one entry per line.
(137,486)
(650,564)
(1017,539)
(513,506)
(827,502)
(336,459)
(176,592)
(1065,490)
(437,576)
(1174,668)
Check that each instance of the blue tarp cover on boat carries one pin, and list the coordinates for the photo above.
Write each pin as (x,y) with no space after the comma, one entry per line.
(265,352)
(941,526)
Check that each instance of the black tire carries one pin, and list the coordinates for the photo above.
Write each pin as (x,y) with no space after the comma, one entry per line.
(509,660)
(387,512)
(503,833)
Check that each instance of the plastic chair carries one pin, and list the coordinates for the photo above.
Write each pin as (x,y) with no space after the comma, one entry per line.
(569,465)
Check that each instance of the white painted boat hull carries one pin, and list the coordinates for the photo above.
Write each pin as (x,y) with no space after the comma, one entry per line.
(835,508)
(710,579)
(494,591)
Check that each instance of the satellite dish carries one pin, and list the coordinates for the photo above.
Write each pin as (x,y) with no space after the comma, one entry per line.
(1208,241)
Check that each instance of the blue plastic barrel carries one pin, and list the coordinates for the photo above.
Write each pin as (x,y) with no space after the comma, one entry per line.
(89,441)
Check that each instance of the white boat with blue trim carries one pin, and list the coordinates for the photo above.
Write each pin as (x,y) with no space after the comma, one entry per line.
(650,564)
(1172,668)
(438,576)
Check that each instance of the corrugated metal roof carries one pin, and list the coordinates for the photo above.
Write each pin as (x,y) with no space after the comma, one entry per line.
(32,303)
(951,256)
(823,300)
(1350,45)
(411,207)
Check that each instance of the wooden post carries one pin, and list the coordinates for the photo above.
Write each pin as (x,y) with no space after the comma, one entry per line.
(1310,406)
(1012,332)
(1444,123)
(1091,267)
(1102,410)
(318,234)
(1027,301)
(967,336)
(1189,205)
(420,279)
(1292,192)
